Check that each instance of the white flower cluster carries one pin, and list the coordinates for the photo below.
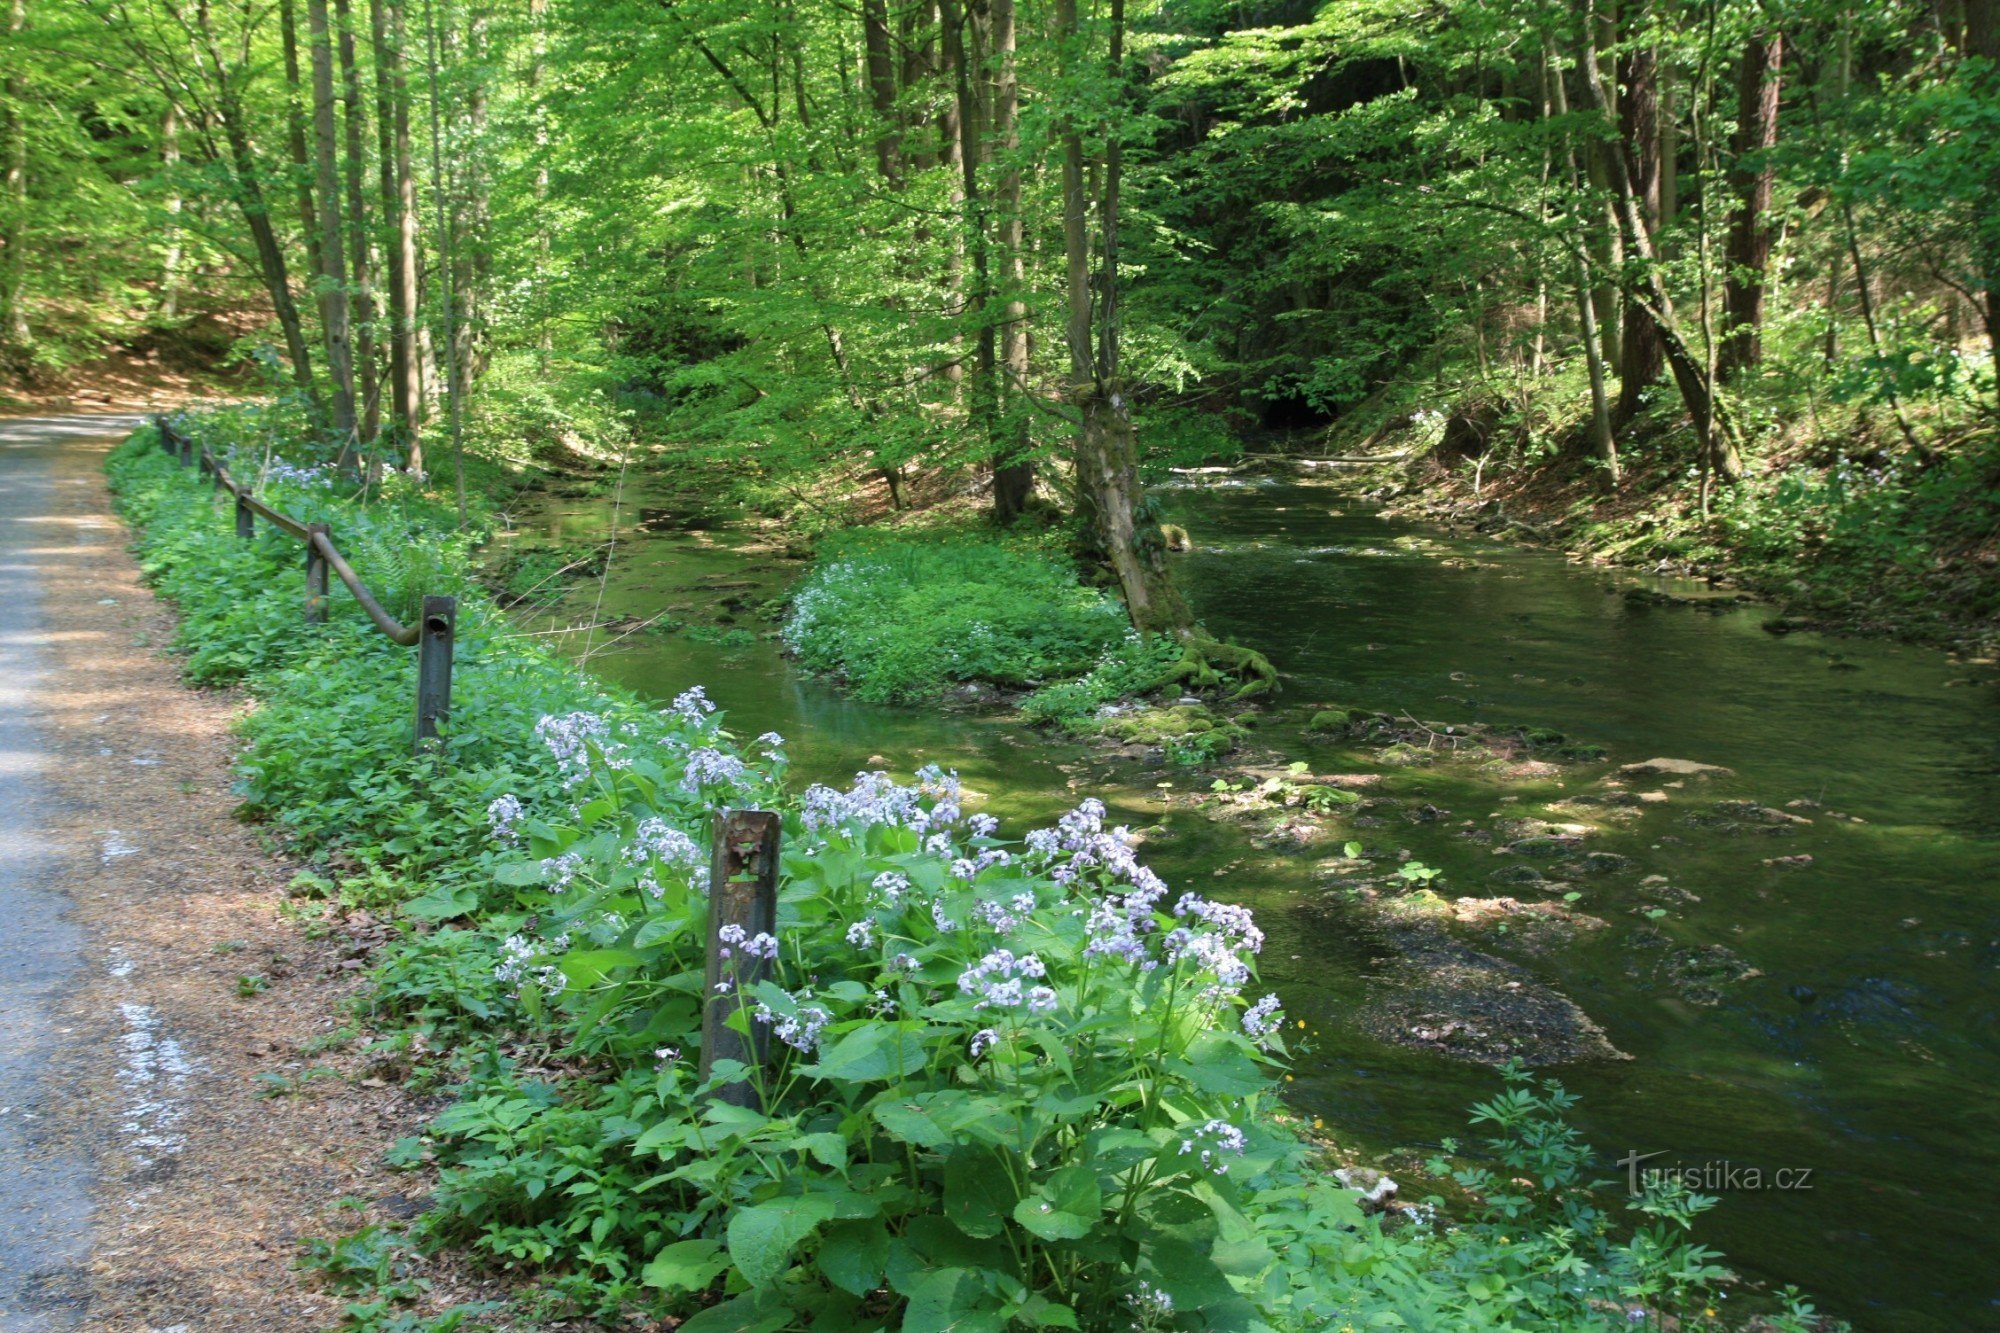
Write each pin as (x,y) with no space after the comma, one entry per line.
(523,962)
(657,843)
(998,982)
(876,798)
(1212,1140)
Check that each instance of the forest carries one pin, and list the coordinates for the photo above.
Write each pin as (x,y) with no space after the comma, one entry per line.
(1727,265)
(1304,445)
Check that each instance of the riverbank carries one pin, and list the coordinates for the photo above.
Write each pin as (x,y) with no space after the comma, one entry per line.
(1849,534)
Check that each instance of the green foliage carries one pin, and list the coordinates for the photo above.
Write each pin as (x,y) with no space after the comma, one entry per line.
(901,618)
(1132,667)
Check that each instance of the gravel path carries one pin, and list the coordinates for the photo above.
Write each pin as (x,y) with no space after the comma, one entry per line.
(45,1183)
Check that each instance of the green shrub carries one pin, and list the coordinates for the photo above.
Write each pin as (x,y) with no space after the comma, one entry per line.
(901,618)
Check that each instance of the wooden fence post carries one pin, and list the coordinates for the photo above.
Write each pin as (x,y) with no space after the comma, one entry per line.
(742,892)
(246,525)
(316,574)
(434,644)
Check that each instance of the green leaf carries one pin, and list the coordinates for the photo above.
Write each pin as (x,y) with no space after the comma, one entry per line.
(443,904)
(519,874)
(687,1265)
(853,1255)
(828,1149)
(763,1236)
(977,1193)
(874,1052)
(1067,1206)
(951,1300)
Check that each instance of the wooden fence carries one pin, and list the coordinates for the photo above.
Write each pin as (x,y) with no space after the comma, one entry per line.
(434,634)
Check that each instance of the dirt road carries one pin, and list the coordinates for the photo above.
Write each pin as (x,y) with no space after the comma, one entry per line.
(167,1136)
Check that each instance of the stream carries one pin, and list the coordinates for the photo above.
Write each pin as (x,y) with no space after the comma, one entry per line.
(1854,1036)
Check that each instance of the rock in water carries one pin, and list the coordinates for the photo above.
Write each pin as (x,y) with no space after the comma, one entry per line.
(1679,768)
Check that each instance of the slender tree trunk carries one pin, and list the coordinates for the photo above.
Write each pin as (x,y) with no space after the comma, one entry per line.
(1643,354)
(1712,430)
(399,212)
(355,126)
(300,149)
(1603,443)
(1013,469)
(963,48)
(447,260)
(472,219)
(1982,39)
(14,277)
(332,241)
(1751,176)
(538,17)
(170,162)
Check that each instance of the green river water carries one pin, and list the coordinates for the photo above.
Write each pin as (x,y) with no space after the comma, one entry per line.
(1866,1051)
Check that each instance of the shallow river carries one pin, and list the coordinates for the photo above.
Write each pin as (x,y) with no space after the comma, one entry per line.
(1866,1052)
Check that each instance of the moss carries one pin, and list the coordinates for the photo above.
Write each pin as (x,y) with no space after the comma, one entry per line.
(1328,720)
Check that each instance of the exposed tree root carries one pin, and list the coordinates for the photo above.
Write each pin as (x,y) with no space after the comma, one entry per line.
(1234,671)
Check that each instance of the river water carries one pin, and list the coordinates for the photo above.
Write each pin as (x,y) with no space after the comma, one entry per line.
(1865,1051)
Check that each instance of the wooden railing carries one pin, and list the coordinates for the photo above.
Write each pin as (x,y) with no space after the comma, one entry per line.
(434,634)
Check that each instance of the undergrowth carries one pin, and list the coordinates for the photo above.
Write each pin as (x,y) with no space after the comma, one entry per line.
(1012,1081)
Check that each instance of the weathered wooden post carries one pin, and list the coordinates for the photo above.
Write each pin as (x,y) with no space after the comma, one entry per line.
(316,573)
(246,524)
(742,892)
(434,643)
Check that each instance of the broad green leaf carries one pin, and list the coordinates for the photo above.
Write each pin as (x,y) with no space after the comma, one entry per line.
(763,1236)
(687,1265)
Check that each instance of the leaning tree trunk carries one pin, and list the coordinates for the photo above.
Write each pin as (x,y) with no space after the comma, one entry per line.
(1751,176)
(1107,455)
(332,244)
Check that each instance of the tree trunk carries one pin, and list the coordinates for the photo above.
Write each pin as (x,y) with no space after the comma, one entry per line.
(399,211)
(1712,430)
(963,49)
(270,255)
(354,125)
(882,89)
(1107,465)
(170,164)
(1982,39)
(14,278)
(301,151)
(1640,339)
(1013,469)
(447,262)
(1751,176)
(332,241)
(1603,443)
